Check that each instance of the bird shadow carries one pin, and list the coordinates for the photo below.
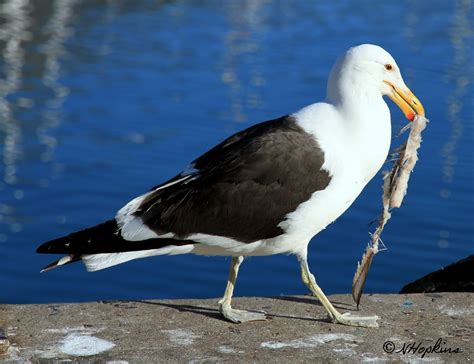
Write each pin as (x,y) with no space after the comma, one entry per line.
(204,311)
(215,314)
(311,300)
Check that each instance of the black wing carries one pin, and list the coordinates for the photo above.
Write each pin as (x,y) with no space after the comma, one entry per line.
(244,187)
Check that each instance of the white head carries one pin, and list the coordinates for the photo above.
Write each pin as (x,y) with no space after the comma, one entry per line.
(369,69)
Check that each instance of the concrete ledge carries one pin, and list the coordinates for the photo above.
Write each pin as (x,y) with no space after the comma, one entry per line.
(192,331)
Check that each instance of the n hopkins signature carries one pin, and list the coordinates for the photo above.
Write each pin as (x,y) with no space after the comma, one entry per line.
(438,347)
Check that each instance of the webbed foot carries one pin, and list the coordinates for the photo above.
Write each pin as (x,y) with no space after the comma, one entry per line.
(240,316)
(352,320)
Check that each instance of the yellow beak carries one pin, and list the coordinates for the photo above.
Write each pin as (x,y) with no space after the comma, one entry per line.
(406,101)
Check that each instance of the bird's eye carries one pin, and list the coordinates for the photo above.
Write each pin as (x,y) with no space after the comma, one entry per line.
(388,67)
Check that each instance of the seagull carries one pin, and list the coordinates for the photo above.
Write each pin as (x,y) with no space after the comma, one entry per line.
(268,189)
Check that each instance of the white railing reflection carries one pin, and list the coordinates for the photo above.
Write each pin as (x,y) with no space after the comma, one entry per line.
(14,32)
(242,44)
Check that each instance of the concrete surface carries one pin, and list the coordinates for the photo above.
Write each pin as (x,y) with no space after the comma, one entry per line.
(191,331)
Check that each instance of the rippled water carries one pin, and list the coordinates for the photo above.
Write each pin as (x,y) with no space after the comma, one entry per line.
(101,100)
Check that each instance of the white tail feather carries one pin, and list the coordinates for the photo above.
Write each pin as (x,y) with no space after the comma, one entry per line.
(95,262)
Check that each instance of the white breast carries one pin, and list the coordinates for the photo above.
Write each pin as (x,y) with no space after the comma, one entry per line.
(355,151)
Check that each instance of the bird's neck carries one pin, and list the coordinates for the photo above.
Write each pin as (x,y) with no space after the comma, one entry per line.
(363,110)
(364,118)
(357,98)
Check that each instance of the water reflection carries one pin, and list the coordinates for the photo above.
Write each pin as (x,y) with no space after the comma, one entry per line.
(88,83)
(242,69)
(459,74)
(14,33)
(33,36)
(57,30)
(412,20)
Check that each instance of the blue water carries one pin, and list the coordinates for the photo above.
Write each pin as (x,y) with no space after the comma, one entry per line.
(101,100)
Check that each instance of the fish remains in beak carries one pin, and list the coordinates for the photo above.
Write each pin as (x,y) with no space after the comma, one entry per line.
(406,101)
